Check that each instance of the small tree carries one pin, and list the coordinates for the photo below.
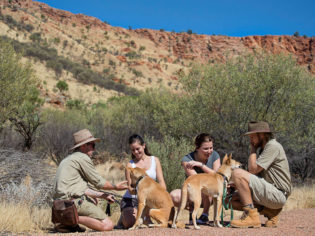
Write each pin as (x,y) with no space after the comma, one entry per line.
(62,86)
(16,82)
(296,34)
(27,118)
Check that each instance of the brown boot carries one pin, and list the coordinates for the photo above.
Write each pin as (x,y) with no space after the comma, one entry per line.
(250,219)
(272,215)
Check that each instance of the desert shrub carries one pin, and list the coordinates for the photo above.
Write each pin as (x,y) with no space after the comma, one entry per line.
(137,73)
(122,117)
(55,135)
(132,55)
(25,205)
(29,27)
(62,86)
(257,87)
(17,82)
(170,152)
(75,104)
(55,65)
(36,37)
(9,138)
(26,119)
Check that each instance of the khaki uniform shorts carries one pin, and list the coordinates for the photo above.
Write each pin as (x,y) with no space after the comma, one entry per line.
(266,194)
(86,207)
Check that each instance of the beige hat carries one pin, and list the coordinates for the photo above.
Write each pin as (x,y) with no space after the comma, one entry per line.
(82,137)
(258,127)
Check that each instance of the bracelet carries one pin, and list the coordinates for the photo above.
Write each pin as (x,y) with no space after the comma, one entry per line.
(202,165)
(114,185)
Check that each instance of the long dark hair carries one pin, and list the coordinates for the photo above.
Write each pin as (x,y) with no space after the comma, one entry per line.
(201,138)
(137,138)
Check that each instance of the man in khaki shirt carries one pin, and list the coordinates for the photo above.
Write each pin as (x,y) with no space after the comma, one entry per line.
(72,178)
(266,185)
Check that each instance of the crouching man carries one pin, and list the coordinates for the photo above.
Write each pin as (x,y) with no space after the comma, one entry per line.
(266,186)
(71,183)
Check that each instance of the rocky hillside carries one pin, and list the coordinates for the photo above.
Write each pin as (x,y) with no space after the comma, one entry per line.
(140,59)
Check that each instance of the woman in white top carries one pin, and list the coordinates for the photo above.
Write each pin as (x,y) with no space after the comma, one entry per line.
(143,159)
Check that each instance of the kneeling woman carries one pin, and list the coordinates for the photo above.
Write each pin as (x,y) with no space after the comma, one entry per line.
(203,160)
(143,159)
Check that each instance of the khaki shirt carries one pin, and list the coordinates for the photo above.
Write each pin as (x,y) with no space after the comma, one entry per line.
(276,167)
(73,175)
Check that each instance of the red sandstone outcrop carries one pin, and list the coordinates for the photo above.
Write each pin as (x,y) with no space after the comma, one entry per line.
(202,48)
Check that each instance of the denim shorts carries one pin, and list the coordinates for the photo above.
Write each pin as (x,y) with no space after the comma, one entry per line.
(128,202)
(265,193)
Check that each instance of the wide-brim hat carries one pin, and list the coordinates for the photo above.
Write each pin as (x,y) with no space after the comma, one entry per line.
(82,137)
(258,127)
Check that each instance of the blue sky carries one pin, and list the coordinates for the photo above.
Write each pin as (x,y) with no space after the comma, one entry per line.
(220,17)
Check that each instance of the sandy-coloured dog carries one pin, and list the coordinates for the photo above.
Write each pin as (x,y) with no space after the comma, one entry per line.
(151,195)
(210,184)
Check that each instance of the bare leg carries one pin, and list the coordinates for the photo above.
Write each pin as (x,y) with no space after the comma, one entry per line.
(176,196)
(206,202)
(128,217)
(241,181)
(95,224)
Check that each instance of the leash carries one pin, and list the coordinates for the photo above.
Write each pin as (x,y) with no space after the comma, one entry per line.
(226,205)
(107,211)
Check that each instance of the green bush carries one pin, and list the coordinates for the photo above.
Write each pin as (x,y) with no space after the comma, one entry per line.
(62,86)
(170,151)
(36,37)
(16,81)
(132,55)
(55,135)
(20,101)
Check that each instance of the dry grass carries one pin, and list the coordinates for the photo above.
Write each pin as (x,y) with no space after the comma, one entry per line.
(301,198)
(21,216)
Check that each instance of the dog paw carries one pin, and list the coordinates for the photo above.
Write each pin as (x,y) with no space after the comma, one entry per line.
(217,224)
(132,228)
(174,226)
(197,227)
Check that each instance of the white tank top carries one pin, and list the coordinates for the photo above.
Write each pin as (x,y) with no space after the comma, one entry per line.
(151,172)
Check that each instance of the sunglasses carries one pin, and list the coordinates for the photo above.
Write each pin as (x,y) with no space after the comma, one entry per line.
(91,144)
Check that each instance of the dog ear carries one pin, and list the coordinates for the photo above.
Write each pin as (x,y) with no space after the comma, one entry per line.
(224,159)
(229,159)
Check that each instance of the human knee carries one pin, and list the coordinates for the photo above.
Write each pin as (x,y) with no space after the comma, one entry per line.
(175,195)
(239,174)
(107,224)
(128,217)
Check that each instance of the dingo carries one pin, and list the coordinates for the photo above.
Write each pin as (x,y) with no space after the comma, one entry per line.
(150,194)
(210,184)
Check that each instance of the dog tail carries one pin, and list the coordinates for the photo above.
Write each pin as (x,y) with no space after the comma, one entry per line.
(179,225)
(180,208)
(184,196)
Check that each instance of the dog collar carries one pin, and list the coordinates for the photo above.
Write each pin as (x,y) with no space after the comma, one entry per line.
(224,177)
(139,181)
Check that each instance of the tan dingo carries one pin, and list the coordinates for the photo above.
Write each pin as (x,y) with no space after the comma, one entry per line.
(210,184)
(150,194)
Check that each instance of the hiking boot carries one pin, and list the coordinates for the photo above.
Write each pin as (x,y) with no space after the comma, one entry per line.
(272,215)
(249,219)
(69,229)
(203,219)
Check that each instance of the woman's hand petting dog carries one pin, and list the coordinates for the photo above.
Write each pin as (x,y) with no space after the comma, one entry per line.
(192,164)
